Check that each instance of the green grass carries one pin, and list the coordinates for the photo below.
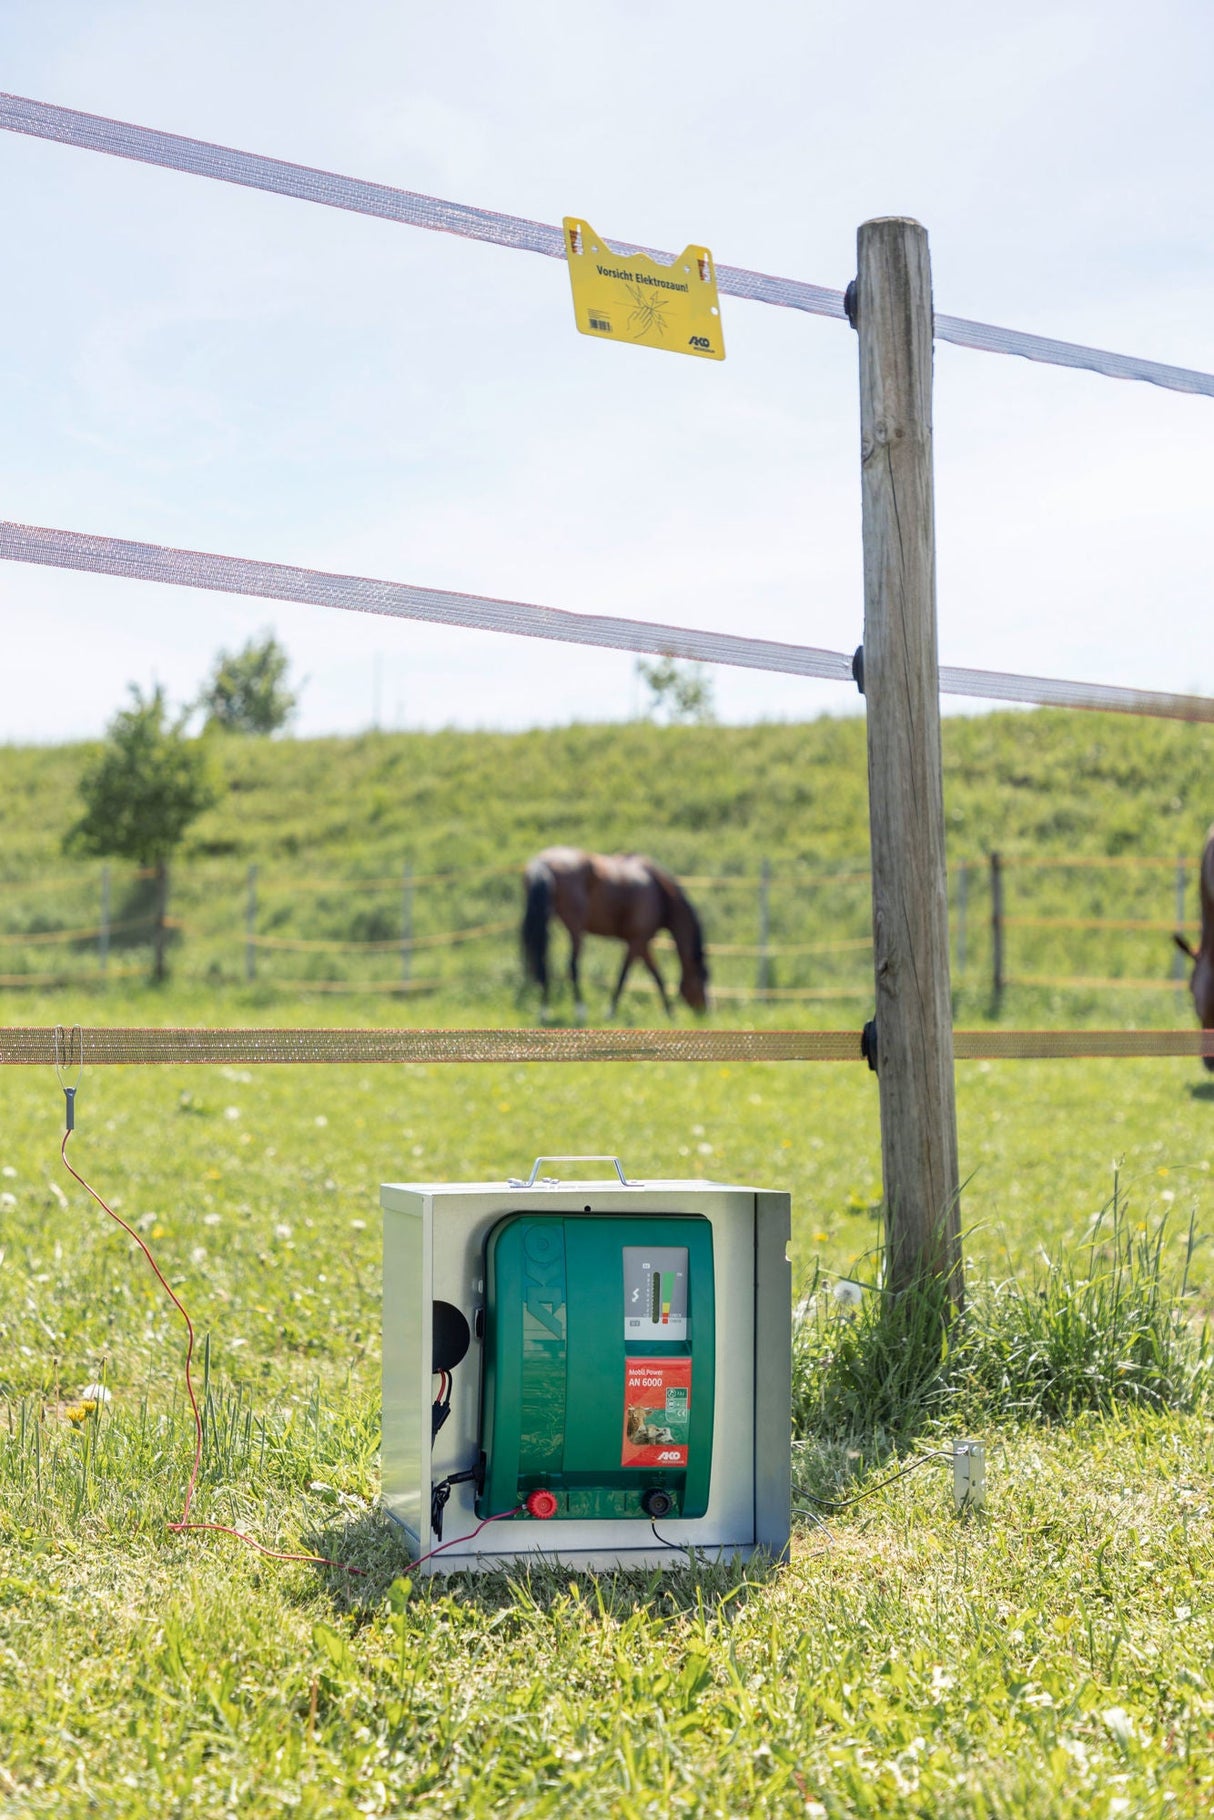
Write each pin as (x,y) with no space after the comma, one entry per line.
(1050,1657)
(148,1675)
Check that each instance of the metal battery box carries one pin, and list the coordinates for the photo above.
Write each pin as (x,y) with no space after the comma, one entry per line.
(627,1358)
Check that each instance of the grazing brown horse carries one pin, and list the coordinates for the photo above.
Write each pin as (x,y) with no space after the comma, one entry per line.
(624,896)
(1201,985)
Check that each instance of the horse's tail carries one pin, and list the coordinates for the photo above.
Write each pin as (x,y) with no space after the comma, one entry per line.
(537,883)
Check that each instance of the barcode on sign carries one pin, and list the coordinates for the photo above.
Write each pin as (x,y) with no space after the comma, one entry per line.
(601,323)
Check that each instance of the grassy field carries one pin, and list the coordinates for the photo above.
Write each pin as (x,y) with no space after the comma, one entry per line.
(1048,1657)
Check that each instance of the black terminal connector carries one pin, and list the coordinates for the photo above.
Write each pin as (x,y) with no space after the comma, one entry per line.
(656,1503)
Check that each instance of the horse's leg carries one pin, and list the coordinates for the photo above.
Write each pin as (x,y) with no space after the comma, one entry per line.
(661,984)
(629,957)
(575,955)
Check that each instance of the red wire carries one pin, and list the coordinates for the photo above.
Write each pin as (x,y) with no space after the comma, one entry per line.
(495,1518)
(274,1554)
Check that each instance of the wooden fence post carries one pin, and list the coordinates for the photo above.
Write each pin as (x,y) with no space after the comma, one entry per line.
(997,929)
(103,933)
(406,922)
(893,313)
(250,927)
(963,894)
(160,931)
(764,967)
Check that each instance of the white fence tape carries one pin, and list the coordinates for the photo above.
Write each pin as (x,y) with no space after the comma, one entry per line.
(172,151)
(361,594)
(401,600)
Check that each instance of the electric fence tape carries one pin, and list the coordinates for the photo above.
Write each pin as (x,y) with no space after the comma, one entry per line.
(403,600)
(198,157)
(31,1046)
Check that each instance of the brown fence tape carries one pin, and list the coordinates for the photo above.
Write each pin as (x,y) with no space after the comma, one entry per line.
(24,939)
(101,1047)
(1078,982)
(1161,927)
(445,939)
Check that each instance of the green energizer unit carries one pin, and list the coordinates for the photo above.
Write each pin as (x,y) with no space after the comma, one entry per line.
(600,1343)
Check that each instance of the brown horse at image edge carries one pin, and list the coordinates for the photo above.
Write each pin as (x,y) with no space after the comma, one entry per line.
(1201,983)
(623,896)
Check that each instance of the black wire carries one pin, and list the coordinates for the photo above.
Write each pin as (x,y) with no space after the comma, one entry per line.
(680,1548)
(843,1503)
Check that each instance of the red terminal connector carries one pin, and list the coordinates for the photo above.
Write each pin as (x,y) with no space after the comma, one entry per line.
(540,1504)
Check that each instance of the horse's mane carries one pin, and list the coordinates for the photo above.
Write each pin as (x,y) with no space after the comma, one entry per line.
(678,908)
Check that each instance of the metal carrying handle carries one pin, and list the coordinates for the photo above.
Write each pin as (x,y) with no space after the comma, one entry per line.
(516,1181)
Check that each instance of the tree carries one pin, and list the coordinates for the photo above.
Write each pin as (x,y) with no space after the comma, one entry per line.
(149,782)
(681,690)
(247,692)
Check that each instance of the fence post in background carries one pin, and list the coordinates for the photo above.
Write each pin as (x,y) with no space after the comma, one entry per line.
(160,931)
(1177,956)
(406,922)
(892,310)
(103,933)
(963,897)
(250,926)
(997,929)
(764,968)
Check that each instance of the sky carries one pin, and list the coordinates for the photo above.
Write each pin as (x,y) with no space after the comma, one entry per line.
(188,363)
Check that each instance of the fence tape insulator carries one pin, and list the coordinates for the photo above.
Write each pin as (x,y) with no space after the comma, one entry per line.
(402,600)
(33,1046)
(251,170)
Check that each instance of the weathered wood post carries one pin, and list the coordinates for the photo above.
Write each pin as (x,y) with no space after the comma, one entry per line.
(892,309)
(160,931)
(406,922)
(963,898)
(997,976)
(103,933)
(250,925)
(763,981)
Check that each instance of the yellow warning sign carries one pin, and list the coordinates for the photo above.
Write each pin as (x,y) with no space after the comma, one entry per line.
(636,299)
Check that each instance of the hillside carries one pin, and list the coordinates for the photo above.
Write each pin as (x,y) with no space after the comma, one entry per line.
(331,824)
(709,798)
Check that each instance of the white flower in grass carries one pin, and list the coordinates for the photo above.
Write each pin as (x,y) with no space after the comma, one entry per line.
(7,1201)
(198,1255)
(1119,1723)
(321,1119)
(847,1294)
(211,1219)
(8,1170)
(95,1393)
(282,1230)
(231,1112)
(359,1225)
